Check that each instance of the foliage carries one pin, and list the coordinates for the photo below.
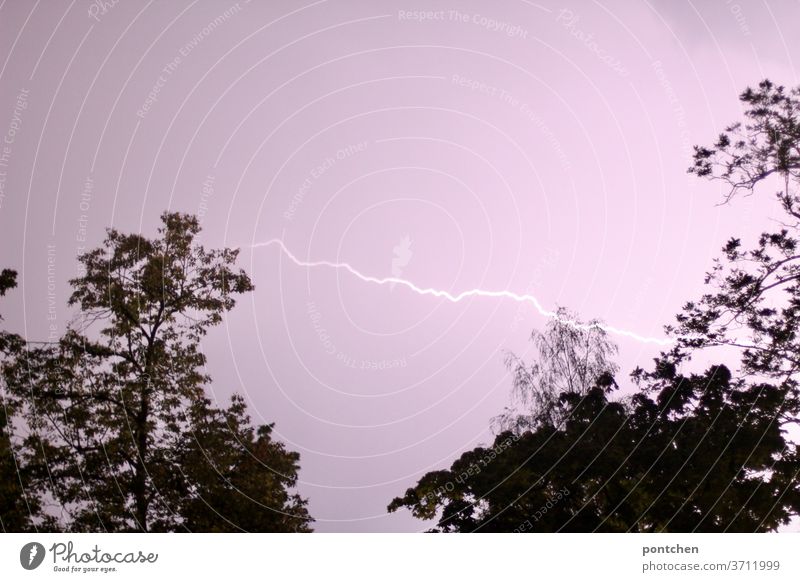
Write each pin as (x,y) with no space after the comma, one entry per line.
(571,357)
(16,508)
(116,414)
(697,453)
(236,477)
(754,301)
(766,144)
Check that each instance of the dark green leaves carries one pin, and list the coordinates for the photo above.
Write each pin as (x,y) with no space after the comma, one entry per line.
(120,433)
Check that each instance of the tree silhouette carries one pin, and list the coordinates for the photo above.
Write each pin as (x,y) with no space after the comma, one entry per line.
(754,301)
(116,413)
(17,508)
(235,477)
(688,453)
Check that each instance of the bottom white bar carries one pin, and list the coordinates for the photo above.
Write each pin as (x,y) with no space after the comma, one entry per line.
(378,557)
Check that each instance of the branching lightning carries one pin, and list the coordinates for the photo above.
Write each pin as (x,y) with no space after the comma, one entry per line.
(455,298)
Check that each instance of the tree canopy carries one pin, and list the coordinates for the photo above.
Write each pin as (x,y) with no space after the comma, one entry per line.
(571,358)
(17,507)
(754,300)
(117,427)
(692,453)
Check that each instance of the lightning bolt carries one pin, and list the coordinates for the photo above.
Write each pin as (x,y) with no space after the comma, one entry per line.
(455,298)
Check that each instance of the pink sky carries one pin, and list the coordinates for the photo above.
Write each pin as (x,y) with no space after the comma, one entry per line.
(532,147)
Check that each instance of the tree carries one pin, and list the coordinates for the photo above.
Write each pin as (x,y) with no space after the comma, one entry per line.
(14,513)
(571,357)
(754,303)
(16,509)
(116,411)
(238,477)
(8,280)
(690,453)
